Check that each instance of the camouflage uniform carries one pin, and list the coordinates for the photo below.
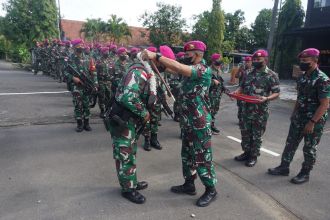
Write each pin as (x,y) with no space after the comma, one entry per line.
(132,94)
(243,72)
(79,92)
(120,70)
(310,90)
(255,116)
(175,89)
(215,92)
(37,59)
(196,152)
(104,69)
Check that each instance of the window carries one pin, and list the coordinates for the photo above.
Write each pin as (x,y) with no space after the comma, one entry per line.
(321,3)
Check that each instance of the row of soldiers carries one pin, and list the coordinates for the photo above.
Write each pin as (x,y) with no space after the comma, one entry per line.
(128,88)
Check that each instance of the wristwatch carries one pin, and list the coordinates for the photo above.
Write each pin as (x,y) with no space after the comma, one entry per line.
(158,55)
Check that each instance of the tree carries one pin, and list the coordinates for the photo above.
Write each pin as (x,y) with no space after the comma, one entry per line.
(261,28)
(233,23)
(27,21)
(93,29)
(117,29)
(165,25)
(216,28)
(286,47)
(200,28)
(244,40)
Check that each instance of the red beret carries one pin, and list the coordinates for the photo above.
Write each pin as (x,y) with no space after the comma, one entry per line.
(248,58)
(134,50)
(180,55)
(104,50)
(310,52)
(113,47)
(195,45)
(166,51)
(260,53)
(152,49)
(215,57)
(121,50)
(87,49)
(77,42)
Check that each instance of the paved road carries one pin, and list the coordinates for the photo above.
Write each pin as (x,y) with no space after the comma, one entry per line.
(48,171)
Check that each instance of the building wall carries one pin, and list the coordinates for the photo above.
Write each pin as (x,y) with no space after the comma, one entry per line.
(317,15)
(140,36)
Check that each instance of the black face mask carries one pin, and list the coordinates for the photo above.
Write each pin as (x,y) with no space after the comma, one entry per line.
(79,50)
(187,60)
(257,65)
(122,58)
(304,66)
(217,63)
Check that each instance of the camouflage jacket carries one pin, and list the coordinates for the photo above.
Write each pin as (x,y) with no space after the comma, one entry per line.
(311,88)
(81,64)
(119,72)
(261,83)
(133,90)
(216,90)
(195,102)
(104,69)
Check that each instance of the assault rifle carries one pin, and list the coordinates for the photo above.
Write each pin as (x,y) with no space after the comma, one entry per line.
(86,81)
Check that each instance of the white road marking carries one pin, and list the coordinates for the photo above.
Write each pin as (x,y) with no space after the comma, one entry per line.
(31,93)
(262,149)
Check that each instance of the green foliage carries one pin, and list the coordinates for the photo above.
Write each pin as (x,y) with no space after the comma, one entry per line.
(27,21)
(244,40)
(261,28)
(215,31)
(200,28)
(233,23)
(286,47)
(113,30)
(165,25)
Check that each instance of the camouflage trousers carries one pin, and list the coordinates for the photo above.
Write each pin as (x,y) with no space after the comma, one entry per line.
(124,153)
(252,131)
(152,125)
(104,94)
(214,106)
(311,141)
(81,104)
(239,111)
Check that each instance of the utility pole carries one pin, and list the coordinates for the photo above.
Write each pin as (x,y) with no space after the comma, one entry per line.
(59,20)
(272,27)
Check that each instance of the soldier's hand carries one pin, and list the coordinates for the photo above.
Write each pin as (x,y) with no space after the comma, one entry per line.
(76,80)
(216,82)
(263,99)
(309,128)
(148,55)
(147,117)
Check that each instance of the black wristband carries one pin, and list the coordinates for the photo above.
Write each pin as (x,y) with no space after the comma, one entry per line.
(314,122)
(158,56)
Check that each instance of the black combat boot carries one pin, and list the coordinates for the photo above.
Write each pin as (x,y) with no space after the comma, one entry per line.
(146,145)
(209,195)
(302,177)
(176,118)
(80,127)
(251,161)
(214,129)
(242,157)
(281,170)
(154,142)
(141,185)
(188,188)
(134,196)
(86,125)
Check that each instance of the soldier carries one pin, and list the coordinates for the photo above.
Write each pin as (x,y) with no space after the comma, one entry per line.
(36,58)
(308,118)
(175,84)
(80,89)
(151,129)
(104,69)
(196,150)
(128,112)
(216,89)
(241,74)
(264,83)
(113,51)
(120,68)
(132,57)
